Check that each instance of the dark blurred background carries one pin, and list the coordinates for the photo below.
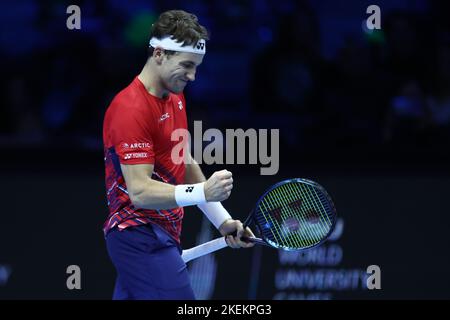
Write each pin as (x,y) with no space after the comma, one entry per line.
(366,113)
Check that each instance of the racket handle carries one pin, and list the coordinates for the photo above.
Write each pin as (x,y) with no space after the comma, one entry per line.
(255,240)
(247,239)
(203,249)
(212,246)
(216,244)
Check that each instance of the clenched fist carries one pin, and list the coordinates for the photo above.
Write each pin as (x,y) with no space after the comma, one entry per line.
(218,186)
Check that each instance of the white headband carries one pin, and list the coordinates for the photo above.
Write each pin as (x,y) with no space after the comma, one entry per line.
(168,43)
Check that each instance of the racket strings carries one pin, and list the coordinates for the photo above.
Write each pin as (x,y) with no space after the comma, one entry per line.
(304,236)
(302,214)
(276,203)
(289,215)
(270,225)
(323,201)
(316,206)
(272,202)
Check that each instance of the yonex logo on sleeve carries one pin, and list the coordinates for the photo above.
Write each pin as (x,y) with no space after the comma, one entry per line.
(189,189)
(200,45)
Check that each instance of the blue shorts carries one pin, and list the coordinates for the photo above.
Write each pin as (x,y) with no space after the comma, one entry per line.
(148,264)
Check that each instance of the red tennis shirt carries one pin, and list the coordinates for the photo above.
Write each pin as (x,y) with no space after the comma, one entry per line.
(137,129)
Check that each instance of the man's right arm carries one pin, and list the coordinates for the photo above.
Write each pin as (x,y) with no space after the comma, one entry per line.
(146,193)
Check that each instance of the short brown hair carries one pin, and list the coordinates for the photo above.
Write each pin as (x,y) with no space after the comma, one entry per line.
(182,25)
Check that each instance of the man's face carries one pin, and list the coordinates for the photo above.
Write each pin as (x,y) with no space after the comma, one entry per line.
(179,68)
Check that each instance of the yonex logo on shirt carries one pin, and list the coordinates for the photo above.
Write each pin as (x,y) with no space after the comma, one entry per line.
(189,189)
(137,155)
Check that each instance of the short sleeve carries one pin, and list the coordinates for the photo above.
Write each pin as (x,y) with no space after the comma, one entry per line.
(131,136)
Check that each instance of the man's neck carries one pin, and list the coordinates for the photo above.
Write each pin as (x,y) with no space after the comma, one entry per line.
(151,82)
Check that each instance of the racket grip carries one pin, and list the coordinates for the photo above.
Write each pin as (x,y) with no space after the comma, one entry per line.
(251,240)
(203,249)
(243,238)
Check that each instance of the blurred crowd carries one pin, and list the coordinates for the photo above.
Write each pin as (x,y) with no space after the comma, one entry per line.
(293,65)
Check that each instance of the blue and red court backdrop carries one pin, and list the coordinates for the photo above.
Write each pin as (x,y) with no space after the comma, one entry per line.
(365,113)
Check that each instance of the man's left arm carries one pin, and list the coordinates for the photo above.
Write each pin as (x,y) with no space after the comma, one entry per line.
(194,174)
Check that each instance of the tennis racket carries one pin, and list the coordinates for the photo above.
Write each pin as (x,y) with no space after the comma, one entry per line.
(293,214)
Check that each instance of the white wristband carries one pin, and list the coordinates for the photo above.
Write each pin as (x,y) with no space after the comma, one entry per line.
(190,194)
(215,212)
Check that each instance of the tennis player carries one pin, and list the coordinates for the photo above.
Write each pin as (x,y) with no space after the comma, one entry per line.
(146,189)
